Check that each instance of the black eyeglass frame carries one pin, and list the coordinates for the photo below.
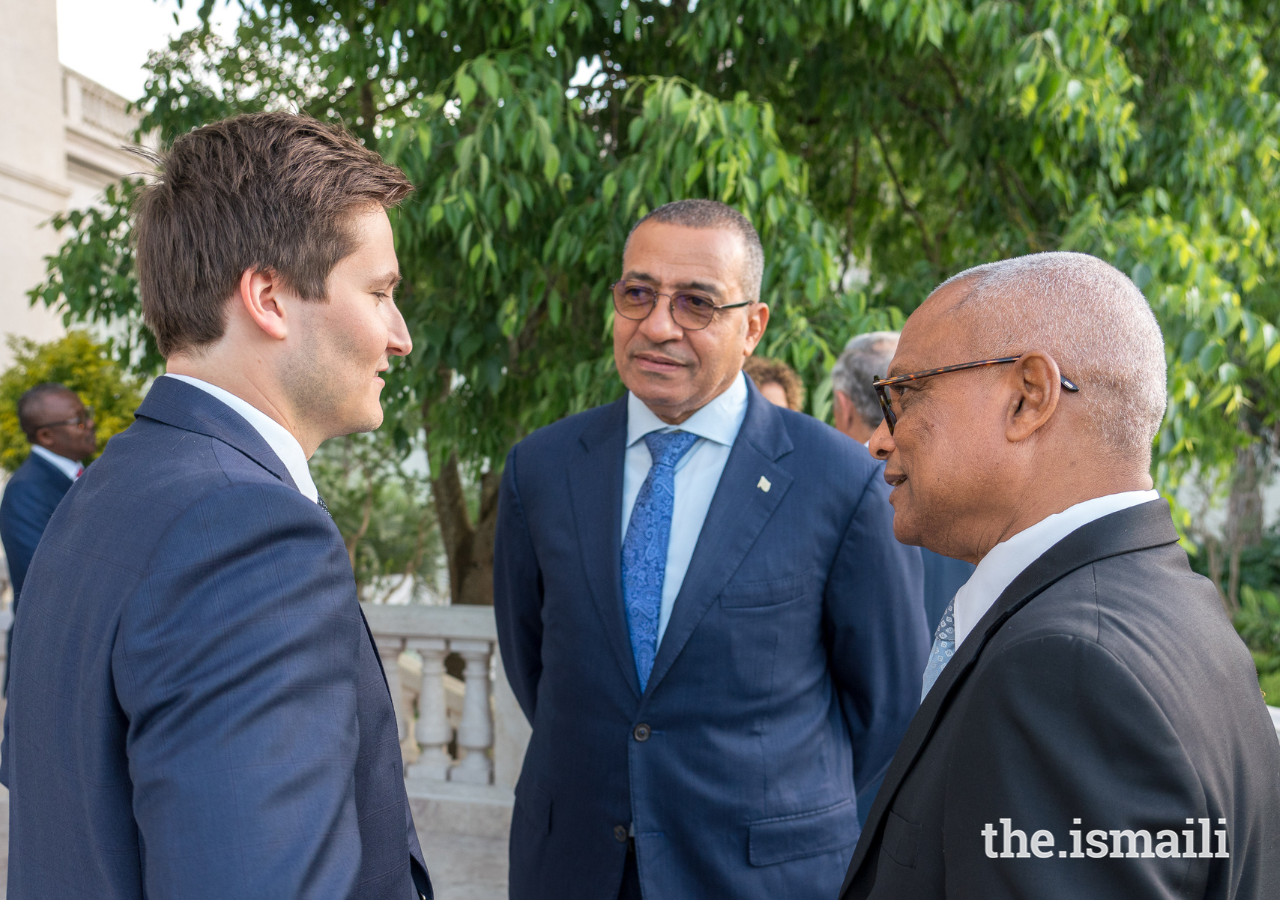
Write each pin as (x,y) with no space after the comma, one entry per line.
(613,289)
(79,421)
(882,384)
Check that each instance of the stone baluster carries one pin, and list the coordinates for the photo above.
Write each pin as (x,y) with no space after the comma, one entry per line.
(475,731)
(389,649)
(433,732)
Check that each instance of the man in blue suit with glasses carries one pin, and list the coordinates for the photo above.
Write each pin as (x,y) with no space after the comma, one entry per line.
(701,606)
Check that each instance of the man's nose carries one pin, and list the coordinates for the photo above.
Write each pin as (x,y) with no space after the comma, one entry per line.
(398,341)
(659,327)
(881,443)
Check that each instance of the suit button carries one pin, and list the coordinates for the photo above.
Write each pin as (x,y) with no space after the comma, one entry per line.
(620,833)
(642,732)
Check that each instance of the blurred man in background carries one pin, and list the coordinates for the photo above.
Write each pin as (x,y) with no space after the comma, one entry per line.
(857,413)
(60,430)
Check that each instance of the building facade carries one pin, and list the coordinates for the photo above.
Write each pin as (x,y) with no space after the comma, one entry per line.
(62,140)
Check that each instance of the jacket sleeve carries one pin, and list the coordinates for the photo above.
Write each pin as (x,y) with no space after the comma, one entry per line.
(25,515)
(235,662)
(517,594)
(1062,737)
(878,637)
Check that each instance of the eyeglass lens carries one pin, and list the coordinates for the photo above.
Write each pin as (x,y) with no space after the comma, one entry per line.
(636,301)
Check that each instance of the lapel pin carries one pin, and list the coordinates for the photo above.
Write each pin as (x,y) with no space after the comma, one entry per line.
(764,484)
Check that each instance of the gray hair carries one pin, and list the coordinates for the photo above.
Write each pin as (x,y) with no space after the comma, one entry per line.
(713,214)
(865,357)
(1092,320)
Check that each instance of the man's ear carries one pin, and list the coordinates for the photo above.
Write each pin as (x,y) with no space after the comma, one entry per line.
(757,319)
(843,410)
(1037,384)
(260,294)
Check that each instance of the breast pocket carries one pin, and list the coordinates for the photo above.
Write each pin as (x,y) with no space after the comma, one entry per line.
(755,594)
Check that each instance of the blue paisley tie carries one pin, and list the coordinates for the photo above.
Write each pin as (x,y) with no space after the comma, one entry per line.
(944,647)
(644,550)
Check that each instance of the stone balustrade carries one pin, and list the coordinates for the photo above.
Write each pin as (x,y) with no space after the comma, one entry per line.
(463,739)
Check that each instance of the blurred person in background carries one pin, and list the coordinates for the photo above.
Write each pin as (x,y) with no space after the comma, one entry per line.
(59,428)
(857,414)
(777,381)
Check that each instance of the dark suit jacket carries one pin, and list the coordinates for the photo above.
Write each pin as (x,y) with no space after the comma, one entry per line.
(1106,686)
(30,498)
(197,709)
(787,674)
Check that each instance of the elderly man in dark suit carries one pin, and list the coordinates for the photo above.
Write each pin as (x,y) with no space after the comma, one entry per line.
(701,606)
(60,430)
(1091,724)
(197,708)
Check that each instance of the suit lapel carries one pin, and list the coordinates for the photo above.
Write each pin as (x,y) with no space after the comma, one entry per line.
(739,510)
(595,496)
(1137,528)
(185,406)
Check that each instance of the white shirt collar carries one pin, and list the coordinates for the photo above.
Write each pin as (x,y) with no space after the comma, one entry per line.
(278,438)
(1008,559)
(719,421)
(69,467)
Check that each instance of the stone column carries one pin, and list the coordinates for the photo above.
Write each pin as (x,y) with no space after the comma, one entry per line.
(433,732)
(475,732)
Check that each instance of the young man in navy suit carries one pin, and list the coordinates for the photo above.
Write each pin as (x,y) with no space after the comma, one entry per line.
(701,606)
(197,708)
(60,430)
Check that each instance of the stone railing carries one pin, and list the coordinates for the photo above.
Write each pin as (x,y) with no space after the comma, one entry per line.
(466,731)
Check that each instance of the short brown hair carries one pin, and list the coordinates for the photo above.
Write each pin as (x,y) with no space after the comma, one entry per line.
(764,370)
(271,191)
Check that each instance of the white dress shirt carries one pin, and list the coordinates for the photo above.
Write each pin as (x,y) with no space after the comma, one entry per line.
(278,438)
(1008,559)
(696,479)
(68,467)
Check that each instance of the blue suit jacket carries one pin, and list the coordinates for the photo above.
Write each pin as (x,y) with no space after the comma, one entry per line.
(197,709)
(943,576)
(30,498)
(787,675)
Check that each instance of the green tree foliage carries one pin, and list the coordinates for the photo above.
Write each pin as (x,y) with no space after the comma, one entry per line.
(80,364)
(383,511)
(879,146)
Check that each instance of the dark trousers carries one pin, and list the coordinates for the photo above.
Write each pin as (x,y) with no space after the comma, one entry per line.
(630,876)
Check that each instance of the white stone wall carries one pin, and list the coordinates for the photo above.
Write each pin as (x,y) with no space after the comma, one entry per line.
(60,145)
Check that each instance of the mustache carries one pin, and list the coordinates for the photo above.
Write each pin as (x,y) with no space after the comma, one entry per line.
(644,346)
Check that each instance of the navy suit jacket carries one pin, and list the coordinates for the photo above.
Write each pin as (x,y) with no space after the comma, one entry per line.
(197,709)
(786,677)
(30,498)
(943,576)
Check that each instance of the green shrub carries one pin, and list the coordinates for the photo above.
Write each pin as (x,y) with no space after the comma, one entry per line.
(82,365)
(1258,623)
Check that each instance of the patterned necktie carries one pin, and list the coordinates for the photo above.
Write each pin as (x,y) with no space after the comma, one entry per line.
(320,503)
(644,550)
(944,647)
